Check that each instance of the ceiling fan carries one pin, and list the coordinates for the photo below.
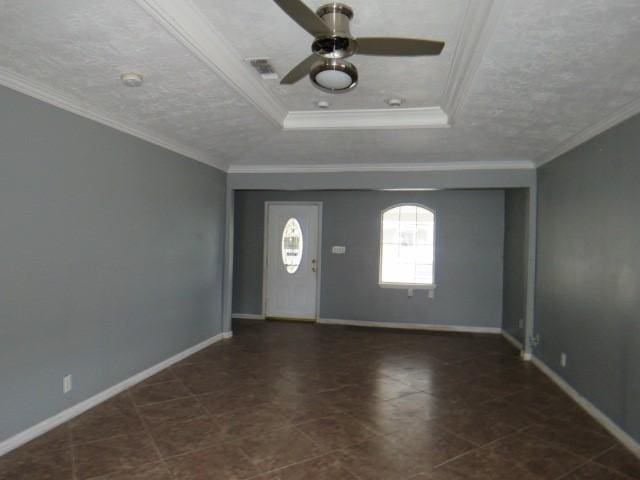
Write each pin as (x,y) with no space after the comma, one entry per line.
(333,42)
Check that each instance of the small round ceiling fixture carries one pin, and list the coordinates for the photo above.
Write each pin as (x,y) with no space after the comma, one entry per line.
(131,79)
(323,104)
(395,102)
(334,76)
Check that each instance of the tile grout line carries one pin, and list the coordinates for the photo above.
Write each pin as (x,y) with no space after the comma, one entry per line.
(74,467)
(560,445)
(566,474)
(307,459)
(325,377)
(222,442)
(148,428)
(556,446)
(153,440)
(211,415)
(468,452)
(592,460)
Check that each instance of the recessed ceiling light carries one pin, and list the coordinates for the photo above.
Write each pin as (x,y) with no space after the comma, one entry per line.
(395,102)
(131,79)
(323,104)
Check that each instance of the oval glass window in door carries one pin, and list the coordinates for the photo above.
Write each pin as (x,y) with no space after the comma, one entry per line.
(292,244)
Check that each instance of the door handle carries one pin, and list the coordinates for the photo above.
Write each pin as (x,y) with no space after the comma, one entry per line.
(314,269)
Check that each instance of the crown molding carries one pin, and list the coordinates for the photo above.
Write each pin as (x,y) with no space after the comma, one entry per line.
(431,117)
(36,90)
(627,111)
(478,25)
(185,22)
(401,167)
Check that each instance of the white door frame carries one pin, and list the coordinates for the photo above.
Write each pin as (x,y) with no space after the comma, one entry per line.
(265,245)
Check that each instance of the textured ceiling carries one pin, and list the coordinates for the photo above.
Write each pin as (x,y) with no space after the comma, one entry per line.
(420,81)
(81,48)
(551,70)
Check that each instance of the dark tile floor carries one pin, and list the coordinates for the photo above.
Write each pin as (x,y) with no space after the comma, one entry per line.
(287,401)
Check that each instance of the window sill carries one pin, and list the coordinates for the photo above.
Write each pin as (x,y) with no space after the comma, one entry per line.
(408,286)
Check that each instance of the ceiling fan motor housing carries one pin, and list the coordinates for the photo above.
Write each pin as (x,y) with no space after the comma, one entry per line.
(340,44)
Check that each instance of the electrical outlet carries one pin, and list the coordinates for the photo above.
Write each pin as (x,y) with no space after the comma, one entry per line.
(410,292)
(521,323)
(563,359)
(431,293)
(66,384)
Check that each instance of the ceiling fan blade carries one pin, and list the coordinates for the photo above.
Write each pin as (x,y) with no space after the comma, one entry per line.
(305,17)
(300,71)
(398,46)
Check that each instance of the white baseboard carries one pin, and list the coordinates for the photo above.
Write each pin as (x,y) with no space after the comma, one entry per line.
(513,340)
(247,316)
(590,408)
(410,326)
(50,423)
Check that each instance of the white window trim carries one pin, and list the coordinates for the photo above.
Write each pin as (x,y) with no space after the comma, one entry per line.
(406,286)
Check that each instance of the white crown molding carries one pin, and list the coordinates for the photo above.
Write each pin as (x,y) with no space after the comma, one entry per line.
(389,118)
(627,111)
(50,423)
(28,87)
(189,26)
(477,27)
(387,168)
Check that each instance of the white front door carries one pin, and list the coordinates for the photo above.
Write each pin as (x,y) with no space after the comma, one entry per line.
(292,262)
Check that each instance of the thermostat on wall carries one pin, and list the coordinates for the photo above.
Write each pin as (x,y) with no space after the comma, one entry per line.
(338,250)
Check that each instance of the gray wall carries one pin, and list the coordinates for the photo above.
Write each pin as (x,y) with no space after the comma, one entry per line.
(469,246)
(111,257)
(516,242)
(588,279)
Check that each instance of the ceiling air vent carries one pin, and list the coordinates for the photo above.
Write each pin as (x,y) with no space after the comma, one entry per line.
(264,68)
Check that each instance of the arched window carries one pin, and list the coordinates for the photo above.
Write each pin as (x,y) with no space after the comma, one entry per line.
(407,246)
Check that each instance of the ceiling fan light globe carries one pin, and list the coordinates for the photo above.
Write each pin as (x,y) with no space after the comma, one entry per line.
(334,77)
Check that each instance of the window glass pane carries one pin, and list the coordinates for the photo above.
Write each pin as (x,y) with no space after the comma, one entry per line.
(392,215)
(423,254)
(390,262)
(390,253)
(406,253)
(424,234)
(391,234)
(424,273)
(405,272)
(407,235)
(423,216)
(408,214)
(407,245)
(292,245)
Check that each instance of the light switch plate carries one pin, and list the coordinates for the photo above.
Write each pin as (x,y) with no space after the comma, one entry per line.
(338,249)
